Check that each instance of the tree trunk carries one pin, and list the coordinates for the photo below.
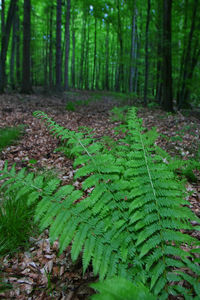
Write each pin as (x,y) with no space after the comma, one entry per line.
(167,100)
(147,53)
(133,51)
(83,38)
(26,70)
(51,48)
(186,70)
(67,45)
(4,43)
(12,57)
(73,52)
(2,17)
(95,55)
(120,76)
(107,84)
(159,27)
(58,47)
(87,59)
(18,71)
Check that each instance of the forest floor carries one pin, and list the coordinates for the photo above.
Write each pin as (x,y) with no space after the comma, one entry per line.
(37,272)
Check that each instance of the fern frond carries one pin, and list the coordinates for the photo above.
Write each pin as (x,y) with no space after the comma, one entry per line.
(130,222)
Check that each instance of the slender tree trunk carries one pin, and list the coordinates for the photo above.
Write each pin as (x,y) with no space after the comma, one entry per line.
(184,43)
(133,50)
(182,101)
(67,45)
(73,52)
(167,100)
(51,48)
(159,27)
(2,17)
(95,55)
(120,77)
(87,59)
(81,81)
(18,71)
(26,71)
(107,84)
(4,43)
(12,57)
(58,47)
(147,53)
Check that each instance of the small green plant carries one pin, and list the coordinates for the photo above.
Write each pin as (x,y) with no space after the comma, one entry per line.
(121,289)
(16,221)
(152,104)
(10,135)
(118,114)
(176,138)
(70,106)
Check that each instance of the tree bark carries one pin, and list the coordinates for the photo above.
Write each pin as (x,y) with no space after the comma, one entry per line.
(73,52)
(147,53)
(95,55)
(167,100)
(133,49)
(12,57)
(120,75)
(4,43)
(2,17)
(107,84)
(83,38)
(159,27)
(18,71)
(67,45)
(58,47)
(187,61)
(26,69)
(51,48)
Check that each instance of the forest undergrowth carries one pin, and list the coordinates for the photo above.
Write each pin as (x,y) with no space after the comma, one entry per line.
(36,271)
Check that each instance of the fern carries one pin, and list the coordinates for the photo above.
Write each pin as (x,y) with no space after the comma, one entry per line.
(120,289)
(130,222)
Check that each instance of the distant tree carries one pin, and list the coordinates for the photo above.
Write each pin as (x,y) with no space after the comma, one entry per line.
(120,69)
(190,55)
(159,28)
(2,16)
(95,55)
(18,60)
(167,98)
(147,52)
(26,66)
(4,43)
(13,51)
(51,47)
(133,47)
(58,46)
(73,51)
(67,44)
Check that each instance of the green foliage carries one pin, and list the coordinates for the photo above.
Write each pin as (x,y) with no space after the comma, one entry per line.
(10,135)
(70,106)
(15,222)
(153,104)
(120,288)
(129,217)
(118,114)
(16,208)
(136,204)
